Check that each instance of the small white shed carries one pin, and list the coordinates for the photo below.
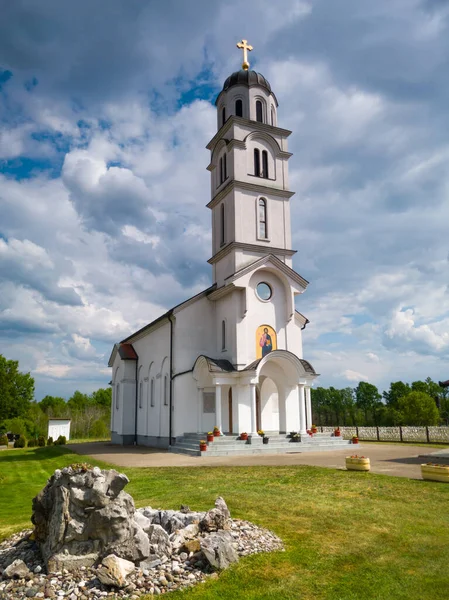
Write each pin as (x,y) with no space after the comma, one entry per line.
(57,427)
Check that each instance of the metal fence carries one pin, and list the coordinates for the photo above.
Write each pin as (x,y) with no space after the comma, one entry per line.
(439,435)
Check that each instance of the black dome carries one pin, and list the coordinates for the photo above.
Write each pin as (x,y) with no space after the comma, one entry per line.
(248,78)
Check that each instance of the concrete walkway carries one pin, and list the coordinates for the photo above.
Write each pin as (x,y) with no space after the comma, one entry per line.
(387,459)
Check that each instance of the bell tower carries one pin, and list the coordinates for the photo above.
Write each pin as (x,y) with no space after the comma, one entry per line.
(250,198)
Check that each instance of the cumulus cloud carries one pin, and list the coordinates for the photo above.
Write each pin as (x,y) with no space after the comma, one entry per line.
(103,224)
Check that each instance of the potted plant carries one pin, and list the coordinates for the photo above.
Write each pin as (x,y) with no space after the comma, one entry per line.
(203,445)
(314,429)
(357,463)
(296,438)
(337,432)
(309,432)
(292,433)
(261,432)
(355,439)
(434,472)
(216,431)
(244,436)
(210,436)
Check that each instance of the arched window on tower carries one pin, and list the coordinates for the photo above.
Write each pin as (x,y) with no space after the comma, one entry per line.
(117,395)
(259,111)
(222,224)
(223,115)
(225,167)
(265,164)
(256,162)
(223,335)
(262,218)
(221,170)
(239,108)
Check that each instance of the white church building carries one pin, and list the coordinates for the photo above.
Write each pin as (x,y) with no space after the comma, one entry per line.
(232,355)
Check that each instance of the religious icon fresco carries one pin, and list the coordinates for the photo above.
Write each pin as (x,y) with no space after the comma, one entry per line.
(265,340)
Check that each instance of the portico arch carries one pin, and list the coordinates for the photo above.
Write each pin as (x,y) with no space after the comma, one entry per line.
(284,382)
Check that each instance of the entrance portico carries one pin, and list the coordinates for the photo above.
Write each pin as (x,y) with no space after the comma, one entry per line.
(272,394)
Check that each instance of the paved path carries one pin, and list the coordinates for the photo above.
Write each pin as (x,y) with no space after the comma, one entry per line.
(388,459)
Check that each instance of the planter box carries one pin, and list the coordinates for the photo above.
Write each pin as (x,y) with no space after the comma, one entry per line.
(435,473)
(357,464)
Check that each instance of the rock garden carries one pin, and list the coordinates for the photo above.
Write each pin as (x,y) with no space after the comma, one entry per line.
(89,541)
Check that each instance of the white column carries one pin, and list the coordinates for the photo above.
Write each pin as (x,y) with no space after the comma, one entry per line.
(218,407)
(200,411)
(302,409)
(308,407)
(252,388)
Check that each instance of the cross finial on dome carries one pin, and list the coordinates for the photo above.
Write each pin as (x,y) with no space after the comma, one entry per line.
(245,47)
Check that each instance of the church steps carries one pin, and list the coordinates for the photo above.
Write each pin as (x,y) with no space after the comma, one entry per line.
(231,445)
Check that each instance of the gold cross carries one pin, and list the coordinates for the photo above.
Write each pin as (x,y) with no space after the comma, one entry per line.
(245,46)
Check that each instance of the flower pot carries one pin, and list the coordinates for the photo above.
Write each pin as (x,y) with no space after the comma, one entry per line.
(435,473)
(355,440)
(210,438)
(357,464)
(296,439)
(244,436)
(203,447)
(337,433)
(265,440)
(314,430)
(216,433)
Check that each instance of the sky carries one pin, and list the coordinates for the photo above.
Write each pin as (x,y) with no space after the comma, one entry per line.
(105,111)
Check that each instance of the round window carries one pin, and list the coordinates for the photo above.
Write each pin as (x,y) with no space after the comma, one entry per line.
(263,291)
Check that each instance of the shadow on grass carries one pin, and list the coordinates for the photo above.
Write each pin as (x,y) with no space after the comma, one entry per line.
(35,454)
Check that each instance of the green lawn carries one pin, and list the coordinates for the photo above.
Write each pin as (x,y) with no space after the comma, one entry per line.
(347,535)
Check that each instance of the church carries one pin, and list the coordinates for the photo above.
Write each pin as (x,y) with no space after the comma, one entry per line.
(230,357)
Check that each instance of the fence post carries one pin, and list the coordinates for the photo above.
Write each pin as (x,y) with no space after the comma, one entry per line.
(427,435)
(400,433)
(378,435)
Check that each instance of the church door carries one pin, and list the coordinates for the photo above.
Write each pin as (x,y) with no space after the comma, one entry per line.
(230,410)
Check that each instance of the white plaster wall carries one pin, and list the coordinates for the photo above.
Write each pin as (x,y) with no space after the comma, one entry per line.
(127,405)
(248,97)
(118,371)
(269,405)
(271,313)
(153,352)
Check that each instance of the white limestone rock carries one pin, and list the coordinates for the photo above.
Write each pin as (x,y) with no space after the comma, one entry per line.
(114,570)
(16,569)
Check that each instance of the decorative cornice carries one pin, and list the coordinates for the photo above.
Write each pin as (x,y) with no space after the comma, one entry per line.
(224,290)
(253,125)
(250,187)
(276,262)
(252,248)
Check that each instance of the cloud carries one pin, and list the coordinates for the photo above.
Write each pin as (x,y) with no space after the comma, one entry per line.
(103,224)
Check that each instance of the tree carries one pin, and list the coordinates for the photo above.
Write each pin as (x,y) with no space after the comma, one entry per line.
(16,390)
(397,390)
(54,406)
(418,408)
(367,398)
(78,402)
(102,397)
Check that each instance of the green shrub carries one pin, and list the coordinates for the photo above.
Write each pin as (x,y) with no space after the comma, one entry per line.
(32,443)
(41,441)
(21,442)
(61,441)
(50,441)
(3,440)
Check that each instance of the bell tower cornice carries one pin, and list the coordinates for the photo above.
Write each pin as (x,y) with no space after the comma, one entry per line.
(257,188)
(253,125)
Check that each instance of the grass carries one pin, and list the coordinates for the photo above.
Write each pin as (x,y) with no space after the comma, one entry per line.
(347,535)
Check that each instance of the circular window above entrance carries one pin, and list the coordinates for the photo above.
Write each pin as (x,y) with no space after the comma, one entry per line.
(263,291)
